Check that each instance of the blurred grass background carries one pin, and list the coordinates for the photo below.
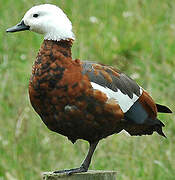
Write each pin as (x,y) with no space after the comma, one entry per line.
(137,37)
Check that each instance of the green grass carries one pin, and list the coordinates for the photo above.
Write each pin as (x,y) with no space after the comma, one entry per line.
(136,36)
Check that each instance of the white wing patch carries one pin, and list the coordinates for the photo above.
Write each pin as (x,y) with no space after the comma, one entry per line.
(123,100)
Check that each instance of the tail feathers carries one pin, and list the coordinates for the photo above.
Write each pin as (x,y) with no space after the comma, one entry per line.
(158,128)
(160,132)
(145,129)
(163,109)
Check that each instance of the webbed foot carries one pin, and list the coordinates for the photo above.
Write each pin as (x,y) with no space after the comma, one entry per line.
(72,171)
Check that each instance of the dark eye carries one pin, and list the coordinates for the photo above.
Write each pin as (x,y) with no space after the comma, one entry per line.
(35,15)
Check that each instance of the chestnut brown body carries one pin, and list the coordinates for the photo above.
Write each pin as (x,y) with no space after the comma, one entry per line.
(63,96)
(61,93)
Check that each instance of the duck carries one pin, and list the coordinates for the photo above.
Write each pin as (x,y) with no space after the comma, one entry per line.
(83,99)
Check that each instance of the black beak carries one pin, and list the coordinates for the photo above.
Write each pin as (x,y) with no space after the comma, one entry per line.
(19,27)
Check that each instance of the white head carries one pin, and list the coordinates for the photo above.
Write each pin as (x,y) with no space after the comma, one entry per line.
(48,20)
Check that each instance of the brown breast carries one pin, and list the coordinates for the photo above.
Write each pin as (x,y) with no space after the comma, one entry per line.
(63,96)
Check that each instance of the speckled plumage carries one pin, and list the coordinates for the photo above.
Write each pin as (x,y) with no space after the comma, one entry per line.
(58,81)
(61,93)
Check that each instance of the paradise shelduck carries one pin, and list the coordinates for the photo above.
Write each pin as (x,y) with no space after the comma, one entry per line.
(82,99)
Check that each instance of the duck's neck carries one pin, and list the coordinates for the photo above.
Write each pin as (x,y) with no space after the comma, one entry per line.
(56,48)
